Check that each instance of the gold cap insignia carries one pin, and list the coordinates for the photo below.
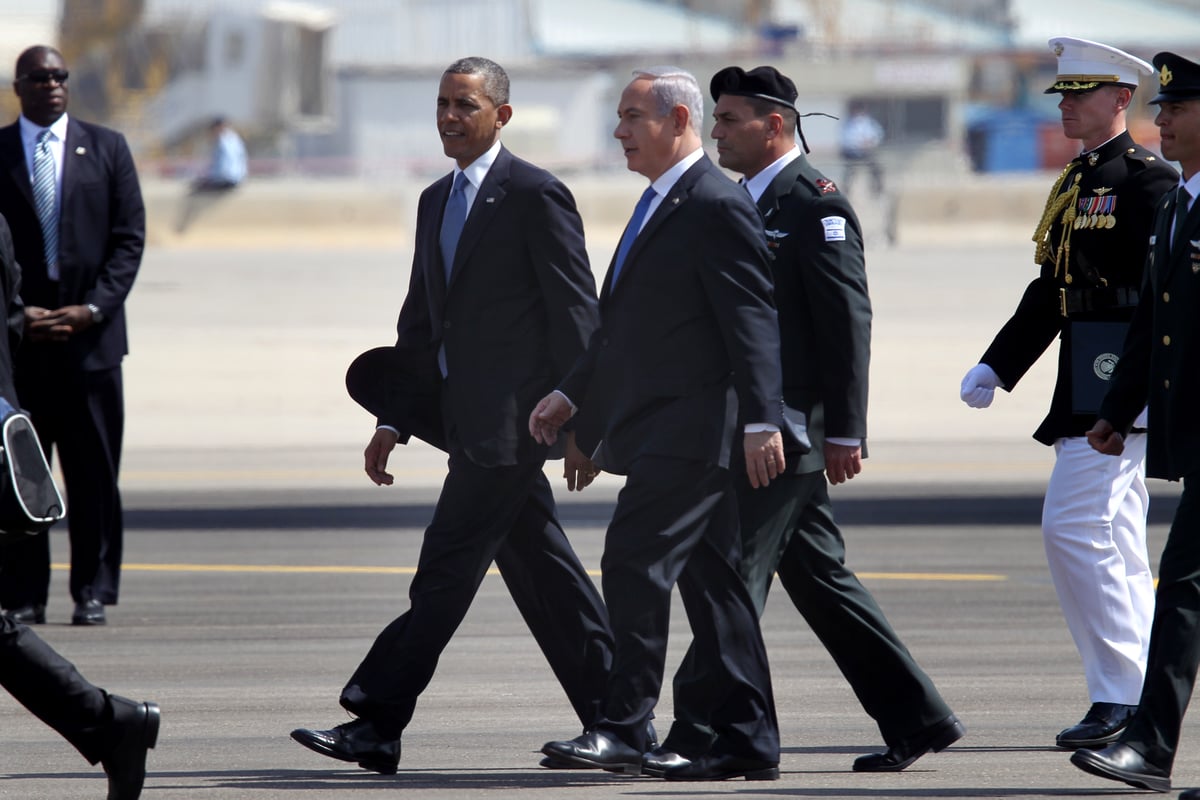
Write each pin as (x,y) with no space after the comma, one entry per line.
(1058,49)
(1165,76)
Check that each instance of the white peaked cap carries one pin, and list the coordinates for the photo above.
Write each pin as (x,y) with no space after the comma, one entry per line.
(1084,65)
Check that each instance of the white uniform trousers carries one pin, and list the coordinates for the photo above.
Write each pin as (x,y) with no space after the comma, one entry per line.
(1094,529)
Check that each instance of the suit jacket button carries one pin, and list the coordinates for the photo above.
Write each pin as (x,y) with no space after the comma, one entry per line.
(446,324)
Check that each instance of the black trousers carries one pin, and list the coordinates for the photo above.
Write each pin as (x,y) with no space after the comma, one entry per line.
(1174,638)
(676,523)
(788,527)
(485,514)
(81,416)
(50,687)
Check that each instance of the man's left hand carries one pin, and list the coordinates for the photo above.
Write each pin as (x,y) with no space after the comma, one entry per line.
(60,324)
(764,457)
(842,462)
(578,469)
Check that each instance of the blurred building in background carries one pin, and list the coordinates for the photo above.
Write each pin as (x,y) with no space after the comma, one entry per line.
(345,87)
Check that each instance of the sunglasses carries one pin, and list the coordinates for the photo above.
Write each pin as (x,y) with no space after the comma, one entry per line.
(59,76)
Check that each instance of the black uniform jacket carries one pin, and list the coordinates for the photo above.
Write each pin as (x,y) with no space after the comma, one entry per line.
(816,248)
(1109,236)
(1160,365)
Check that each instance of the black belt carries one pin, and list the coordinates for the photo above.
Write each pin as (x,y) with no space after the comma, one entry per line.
(1102,298)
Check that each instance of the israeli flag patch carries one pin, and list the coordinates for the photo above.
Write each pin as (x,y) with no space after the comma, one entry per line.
(835,228)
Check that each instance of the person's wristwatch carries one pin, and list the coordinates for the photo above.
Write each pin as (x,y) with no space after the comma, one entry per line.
(97,314)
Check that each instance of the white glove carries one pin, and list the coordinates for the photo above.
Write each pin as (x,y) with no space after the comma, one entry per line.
(979,386)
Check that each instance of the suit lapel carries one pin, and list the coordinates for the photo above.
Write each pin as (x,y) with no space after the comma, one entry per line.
(487,202)
(1187,247)
(675,198)
(429,250)
(781,185)
(76,148)
(12,160)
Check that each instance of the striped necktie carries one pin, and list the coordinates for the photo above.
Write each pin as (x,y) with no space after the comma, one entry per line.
(44,200)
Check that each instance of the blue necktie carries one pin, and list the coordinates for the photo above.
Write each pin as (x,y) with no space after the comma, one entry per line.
(1181,212)
(44,190)
(452,222)
(631,231)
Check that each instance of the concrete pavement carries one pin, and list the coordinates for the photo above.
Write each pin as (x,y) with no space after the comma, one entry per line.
(260,563)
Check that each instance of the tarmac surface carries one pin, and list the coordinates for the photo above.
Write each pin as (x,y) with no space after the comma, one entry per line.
(260,562)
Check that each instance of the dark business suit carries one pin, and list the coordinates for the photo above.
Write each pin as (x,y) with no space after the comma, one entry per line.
(30,670)
(518,309)
(688,338)
(825,335)
(1158,367)
(73,390)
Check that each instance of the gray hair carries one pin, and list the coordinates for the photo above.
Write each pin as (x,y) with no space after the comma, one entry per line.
(672,86)
(495,79)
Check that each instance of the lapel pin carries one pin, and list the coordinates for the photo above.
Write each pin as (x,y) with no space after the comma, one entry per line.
(491,200)
(80,151)
(675,201)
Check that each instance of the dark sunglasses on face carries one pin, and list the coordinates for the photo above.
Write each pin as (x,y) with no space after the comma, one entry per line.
(43,76)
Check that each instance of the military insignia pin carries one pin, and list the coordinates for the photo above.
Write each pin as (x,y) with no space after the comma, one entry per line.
(1165,76)
(80,151)
(1093,158)
(826,186)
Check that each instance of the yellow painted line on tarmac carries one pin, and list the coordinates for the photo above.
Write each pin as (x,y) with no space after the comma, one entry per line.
(930,576)
(291,569)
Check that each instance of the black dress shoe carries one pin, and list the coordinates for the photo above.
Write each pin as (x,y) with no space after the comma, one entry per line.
(1120,762)
(32,614)
(1102,724)
(659,760)
(1190,794)
(596,749)
(936,737)
(356,741)
(89,612)
(723,767)
(135,731)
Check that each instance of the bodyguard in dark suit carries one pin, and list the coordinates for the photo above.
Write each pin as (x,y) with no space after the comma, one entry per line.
(825,336)
(500,303)
(1160,365)
(70,193)
(106,729)
(688,342)
(1090,252)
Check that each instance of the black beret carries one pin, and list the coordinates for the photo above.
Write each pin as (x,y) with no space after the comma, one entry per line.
(1178,78)
(765,83)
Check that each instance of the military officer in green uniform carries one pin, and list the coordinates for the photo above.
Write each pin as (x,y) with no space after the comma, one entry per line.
(1091,250)
(1160,365)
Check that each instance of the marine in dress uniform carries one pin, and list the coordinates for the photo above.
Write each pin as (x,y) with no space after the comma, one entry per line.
(1091,249)
(1159,367)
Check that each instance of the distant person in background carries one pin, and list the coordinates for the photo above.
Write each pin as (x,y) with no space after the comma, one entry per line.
(70,193)
(106,729)
(227,168)
(1091,250)
(861,137)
